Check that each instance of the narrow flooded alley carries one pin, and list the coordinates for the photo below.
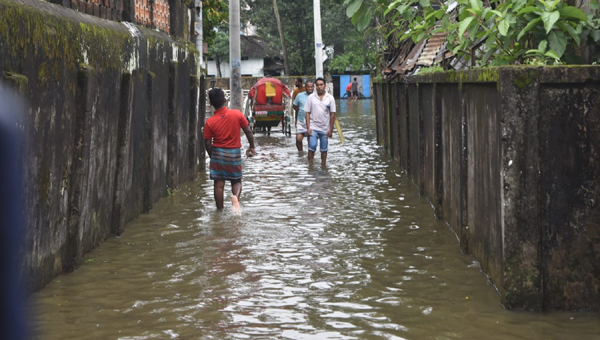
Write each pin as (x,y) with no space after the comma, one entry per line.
(350,252)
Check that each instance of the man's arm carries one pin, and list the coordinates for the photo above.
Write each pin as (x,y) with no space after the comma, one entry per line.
(307,119)
(296,108)
(208,146)
(331,122)
(251,151)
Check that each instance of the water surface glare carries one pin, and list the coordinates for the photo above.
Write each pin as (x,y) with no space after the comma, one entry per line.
(351,252)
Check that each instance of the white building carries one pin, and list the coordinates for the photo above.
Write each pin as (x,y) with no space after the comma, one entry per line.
(257,60)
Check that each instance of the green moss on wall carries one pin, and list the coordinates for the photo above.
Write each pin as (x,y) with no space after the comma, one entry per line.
(59,45)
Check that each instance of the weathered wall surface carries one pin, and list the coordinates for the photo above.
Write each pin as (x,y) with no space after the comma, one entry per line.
(509,158)
(111,124)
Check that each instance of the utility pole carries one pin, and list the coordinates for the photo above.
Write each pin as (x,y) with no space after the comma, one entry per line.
(235,59)
(318,39)
(199,32)
(282,38)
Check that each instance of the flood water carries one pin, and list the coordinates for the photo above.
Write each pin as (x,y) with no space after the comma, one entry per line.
(350,252)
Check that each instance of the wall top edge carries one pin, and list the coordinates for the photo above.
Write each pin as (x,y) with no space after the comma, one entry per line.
(542,74)
(23,7)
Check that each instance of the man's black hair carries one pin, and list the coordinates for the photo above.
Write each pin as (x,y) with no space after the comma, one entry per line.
(354,78)
(300,80)
(324,82)
(216,96)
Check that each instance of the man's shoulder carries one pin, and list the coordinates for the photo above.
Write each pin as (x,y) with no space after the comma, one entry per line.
(303,95)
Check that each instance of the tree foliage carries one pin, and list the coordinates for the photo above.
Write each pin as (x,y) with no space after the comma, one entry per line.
(502,31)
(219,49)
(214,14)
(351,49)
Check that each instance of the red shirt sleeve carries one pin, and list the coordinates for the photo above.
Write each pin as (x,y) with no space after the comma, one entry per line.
(207,131)
(243,120)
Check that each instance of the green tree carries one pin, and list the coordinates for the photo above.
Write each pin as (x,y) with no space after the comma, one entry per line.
(298,30)
(297,24)
(214,14)
(219,49)
(354,51)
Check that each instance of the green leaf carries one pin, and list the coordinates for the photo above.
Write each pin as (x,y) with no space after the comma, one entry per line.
(572,32)
(430,15)
(594,5)
(595,34)
(545,4)
(518,4)
(401,9)
(364,20)
(551,54)
(543,46)
(528,10)
(464,24)
(573,12)
(476,4)
(532,52)
(529,26)
(558,42)
(503,27)
(498,13)
(353,7)
(424,3)
(391,7)
(549,19)
(490,43)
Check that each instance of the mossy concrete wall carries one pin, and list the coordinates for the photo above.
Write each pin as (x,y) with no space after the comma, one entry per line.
(509,157)
(111,123)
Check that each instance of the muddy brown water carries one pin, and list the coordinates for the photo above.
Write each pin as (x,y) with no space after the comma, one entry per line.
(351,252)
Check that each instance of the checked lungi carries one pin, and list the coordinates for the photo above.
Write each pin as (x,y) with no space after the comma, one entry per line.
(226,164)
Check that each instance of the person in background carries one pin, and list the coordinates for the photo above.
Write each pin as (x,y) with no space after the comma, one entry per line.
(320,117)
(349,91)
(222,141)
(355,89)
(298,105)
(299,88)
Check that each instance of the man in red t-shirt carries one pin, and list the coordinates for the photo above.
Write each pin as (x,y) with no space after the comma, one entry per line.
(223,143)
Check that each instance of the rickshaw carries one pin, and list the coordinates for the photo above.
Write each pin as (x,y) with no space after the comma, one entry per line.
(267,106)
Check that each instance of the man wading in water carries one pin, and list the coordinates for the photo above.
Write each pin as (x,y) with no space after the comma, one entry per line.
(320,117)
(298,106)
(223,143)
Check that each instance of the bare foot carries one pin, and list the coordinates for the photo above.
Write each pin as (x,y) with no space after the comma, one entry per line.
(235,203)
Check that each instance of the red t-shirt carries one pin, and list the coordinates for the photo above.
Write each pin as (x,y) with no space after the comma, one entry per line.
(224,128)
(349,87)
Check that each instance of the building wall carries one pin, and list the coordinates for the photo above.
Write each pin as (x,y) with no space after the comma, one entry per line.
(252,66)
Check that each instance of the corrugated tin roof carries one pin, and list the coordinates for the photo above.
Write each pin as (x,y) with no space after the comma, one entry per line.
(411,58)
(432,49)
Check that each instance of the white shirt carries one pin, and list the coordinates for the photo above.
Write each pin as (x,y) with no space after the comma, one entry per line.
(319,110)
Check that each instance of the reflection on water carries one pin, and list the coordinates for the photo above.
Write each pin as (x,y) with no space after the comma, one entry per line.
(351,252)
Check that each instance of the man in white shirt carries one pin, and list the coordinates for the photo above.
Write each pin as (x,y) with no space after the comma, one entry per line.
(320,117)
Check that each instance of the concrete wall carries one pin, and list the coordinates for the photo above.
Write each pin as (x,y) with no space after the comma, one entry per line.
(111,122)
(509,158)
